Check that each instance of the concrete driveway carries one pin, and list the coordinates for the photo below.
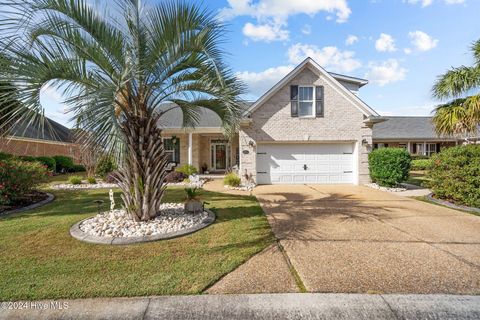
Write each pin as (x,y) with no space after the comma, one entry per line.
(355,239)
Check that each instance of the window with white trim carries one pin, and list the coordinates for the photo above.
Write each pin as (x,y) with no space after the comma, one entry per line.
(170,147)
(306,101)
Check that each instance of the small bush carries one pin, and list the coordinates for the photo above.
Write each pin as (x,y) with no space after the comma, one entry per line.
(187,170)
(18,178)
(105,165)
(455,175)
(175,177)
(5,156)
(78,168)
(75,180)
(47,161)
(389,166)
(28,158)
(232,180)
(421,164)
(91,180)
(63,164)
(419,157)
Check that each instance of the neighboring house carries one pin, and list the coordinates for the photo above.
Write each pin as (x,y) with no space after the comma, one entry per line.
(416,134)
(49,139)
(311,127)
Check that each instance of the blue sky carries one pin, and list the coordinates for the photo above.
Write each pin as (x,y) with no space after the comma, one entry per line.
(400,46)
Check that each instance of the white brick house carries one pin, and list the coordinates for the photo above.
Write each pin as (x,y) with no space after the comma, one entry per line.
(311,127)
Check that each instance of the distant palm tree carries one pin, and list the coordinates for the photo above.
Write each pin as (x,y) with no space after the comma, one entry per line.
(120,65)
(461,116)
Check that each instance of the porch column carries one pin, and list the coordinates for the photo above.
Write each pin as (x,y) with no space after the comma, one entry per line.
(190,161)
(424,148)
(409,148)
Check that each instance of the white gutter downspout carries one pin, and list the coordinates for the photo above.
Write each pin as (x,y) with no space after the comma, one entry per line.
(190,160)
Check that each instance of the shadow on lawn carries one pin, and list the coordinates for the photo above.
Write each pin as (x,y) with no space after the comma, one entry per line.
(81,202)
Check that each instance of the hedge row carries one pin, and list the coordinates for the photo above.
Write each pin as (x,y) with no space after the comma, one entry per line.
(455,175)
(57,164)
(389,166)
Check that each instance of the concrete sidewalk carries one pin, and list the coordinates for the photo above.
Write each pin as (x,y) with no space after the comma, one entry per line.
(261,306)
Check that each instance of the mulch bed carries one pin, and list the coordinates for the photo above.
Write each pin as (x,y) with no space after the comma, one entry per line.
(29,199)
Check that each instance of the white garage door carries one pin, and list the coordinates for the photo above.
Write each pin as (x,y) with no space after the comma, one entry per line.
(305,163)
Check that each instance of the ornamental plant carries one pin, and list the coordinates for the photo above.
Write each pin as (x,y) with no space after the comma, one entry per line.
(232,180)
(455,175)
(18,178)
(121,72)
(389,166)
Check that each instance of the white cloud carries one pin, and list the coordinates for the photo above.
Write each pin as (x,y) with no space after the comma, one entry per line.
(351,39)
(383,73)
(259,82)
(265,32)
(425,3)
(275,13)
(50,92)
(330,58)
(422,41)
(307,29)
(407,50)
(385,43)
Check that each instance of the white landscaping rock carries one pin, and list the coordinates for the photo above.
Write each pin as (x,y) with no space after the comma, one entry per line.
(98,185)
(376,186)
(242,187)
(117,223)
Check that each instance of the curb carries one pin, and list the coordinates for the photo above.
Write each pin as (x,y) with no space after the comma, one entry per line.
(78,234)
(50,198)
(451,205)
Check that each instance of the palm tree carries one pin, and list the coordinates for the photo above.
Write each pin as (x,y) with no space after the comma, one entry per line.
(461,116)
(120,65)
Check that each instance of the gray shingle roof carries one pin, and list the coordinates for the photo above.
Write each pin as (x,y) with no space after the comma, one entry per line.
(46,130)
(173,119)
(405,128)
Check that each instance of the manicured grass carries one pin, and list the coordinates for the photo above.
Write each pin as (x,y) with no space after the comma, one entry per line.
(417,178)
(40,260)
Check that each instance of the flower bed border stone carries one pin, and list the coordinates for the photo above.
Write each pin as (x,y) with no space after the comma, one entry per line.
(50,198)
(451,205)
(78,234)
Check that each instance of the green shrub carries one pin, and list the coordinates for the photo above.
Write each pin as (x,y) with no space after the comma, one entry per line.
(27,158)
(421,164)
(455,175)
(389,166)
(91,180)
(232,180)
(18,178)
(75,180)
(105,165)
(47,161)
(5,156)
(63,164)
(187,170)
(78,168)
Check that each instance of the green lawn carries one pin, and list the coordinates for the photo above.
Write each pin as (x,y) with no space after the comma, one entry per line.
(417,178)
(40,260)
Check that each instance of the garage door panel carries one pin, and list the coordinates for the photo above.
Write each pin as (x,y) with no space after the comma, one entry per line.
(284,163)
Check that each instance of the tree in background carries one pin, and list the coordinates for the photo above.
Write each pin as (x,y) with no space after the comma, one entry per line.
(120,66)
(461,116)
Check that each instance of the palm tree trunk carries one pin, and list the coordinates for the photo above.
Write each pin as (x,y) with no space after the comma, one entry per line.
(141,177)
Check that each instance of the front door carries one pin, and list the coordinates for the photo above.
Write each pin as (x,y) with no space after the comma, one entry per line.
(219,156)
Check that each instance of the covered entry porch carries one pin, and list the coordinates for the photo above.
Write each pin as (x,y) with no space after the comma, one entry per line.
(207,149)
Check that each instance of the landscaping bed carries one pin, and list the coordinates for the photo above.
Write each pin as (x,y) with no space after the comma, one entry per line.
(40,260)
(26,200)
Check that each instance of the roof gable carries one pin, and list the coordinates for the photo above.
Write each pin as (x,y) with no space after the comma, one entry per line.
(315,67)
